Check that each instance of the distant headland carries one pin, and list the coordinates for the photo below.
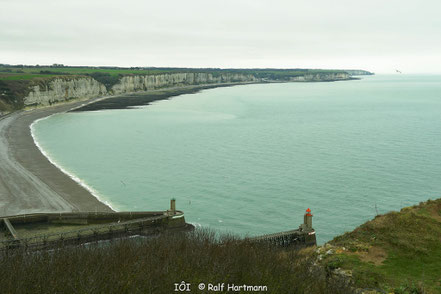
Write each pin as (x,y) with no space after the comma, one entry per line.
(24,86)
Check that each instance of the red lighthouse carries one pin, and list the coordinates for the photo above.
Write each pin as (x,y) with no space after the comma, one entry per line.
(307,220)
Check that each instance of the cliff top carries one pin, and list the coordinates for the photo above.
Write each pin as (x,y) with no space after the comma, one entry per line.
(25,72)
(398,251)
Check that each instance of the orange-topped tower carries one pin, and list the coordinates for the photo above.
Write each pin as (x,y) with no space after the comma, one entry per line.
(306,228)
(308,219)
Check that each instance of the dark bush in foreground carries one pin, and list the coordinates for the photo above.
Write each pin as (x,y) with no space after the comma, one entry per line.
(155,265)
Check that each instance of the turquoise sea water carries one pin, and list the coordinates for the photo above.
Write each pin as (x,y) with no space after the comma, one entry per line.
(250,159)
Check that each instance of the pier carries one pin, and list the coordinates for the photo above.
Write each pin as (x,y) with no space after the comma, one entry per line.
(49,230)
(302,237)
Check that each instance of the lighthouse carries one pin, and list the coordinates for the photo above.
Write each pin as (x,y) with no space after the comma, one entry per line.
(307,221)
(172,210)
(301,237)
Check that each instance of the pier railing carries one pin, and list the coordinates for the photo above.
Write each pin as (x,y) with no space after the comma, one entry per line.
(287,238)
(91,232)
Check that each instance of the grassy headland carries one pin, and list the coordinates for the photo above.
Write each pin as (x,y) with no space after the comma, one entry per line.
(397,251)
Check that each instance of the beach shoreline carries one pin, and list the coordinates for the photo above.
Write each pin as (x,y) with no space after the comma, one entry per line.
(62,169)
(31,182)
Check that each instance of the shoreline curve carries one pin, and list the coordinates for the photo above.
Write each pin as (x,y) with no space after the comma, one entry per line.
(31,181)
(80,182)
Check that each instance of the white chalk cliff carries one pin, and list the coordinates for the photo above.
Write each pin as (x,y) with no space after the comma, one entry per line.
(59,90)
(67,88)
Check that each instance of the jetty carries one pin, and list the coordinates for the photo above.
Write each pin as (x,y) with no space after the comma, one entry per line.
(39,231)
(50,230)
(304,236)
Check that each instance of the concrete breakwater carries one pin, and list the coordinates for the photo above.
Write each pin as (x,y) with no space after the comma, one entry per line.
(304,236)
(48,230)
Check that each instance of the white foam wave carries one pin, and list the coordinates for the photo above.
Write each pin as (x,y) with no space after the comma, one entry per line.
(62,169)
(196,225)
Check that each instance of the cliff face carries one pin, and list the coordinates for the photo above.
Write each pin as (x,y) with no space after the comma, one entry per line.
(58,90)
(67,88)
(130,84)
(321,77)
(358,72)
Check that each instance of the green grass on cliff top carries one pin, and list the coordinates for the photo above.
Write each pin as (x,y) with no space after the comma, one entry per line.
(30,72)
(18,76)
(399,250)
(27,73)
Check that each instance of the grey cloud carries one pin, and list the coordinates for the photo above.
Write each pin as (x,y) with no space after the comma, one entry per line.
(376,34)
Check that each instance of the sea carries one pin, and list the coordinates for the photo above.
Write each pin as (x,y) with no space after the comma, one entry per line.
(249,160)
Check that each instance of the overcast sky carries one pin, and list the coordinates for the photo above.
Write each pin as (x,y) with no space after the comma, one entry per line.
(380,36)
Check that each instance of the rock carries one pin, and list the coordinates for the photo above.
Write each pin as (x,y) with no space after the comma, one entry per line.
(330,252)
(343,273)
